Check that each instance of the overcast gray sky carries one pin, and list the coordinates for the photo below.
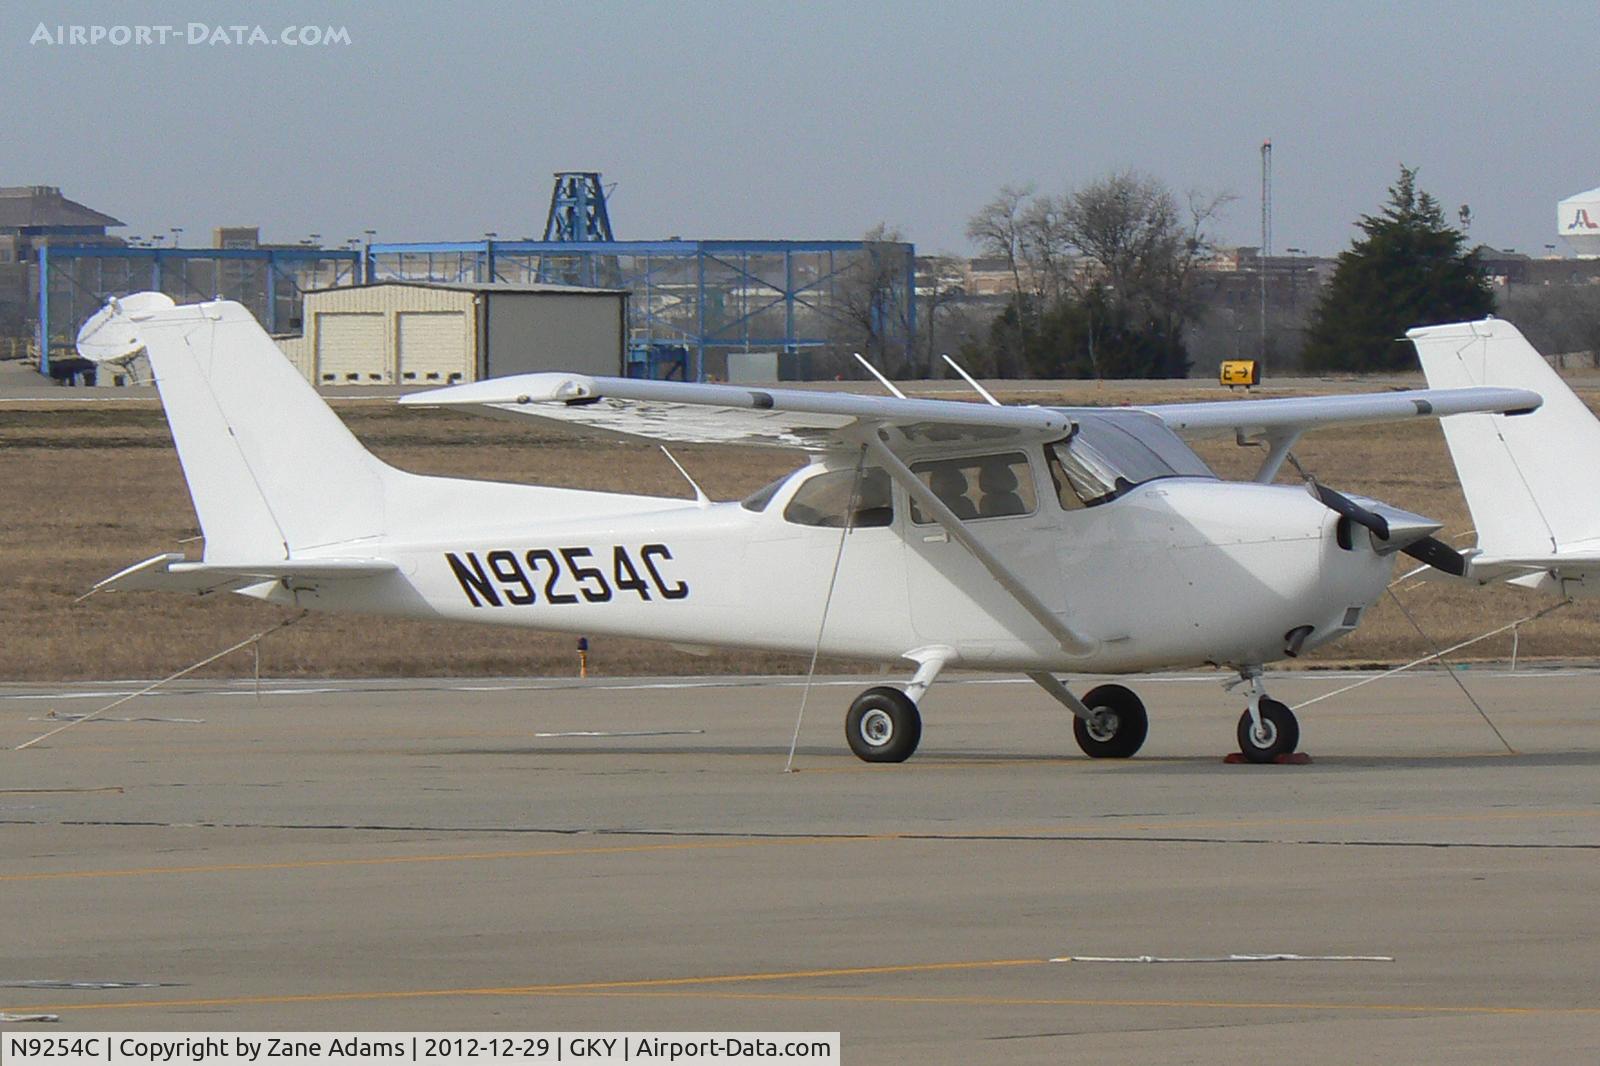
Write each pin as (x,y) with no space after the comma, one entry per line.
(800,119)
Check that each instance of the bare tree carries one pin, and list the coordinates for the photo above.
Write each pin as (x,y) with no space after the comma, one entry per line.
(1126,225)
(941,286)
(872,304)
(1140,244)
(998,228)
(1046,247)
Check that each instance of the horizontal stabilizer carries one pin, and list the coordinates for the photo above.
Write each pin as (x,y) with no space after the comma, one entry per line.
(172,572)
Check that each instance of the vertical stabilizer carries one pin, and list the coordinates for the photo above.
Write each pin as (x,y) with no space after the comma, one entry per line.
(1532,481)
(271,469)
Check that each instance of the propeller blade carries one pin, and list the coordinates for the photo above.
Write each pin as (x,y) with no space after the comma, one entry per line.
(1341,504)
(1437,554)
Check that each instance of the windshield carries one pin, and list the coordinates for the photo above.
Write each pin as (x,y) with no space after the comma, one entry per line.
(1110,454)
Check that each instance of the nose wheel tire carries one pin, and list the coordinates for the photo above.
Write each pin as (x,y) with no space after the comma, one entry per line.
(1117,726)
(1279,733)
(883,725)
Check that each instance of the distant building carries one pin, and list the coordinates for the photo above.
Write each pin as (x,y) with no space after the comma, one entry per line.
(30,216)
(415,333)
(236,237)
(1578,220)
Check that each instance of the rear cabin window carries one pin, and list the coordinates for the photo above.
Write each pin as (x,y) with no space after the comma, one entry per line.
(758,500)
(825,500)
(983,486)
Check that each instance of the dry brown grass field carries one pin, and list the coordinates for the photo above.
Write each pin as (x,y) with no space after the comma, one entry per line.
(86,489)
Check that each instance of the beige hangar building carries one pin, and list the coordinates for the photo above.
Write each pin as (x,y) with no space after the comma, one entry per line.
(411,333)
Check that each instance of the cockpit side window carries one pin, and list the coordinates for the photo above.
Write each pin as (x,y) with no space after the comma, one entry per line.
(984,486)
(824,500)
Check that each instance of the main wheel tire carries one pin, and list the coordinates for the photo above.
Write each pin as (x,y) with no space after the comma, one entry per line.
(883,725)
(1280,732)
(1119,725)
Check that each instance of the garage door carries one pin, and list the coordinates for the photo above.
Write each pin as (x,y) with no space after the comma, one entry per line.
(350,348)
(433,346)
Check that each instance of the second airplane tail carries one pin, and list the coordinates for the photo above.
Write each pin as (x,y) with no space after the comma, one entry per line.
(1532,481)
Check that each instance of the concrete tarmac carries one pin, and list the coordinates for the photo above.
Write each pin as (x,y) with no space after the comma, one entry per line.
(630,855)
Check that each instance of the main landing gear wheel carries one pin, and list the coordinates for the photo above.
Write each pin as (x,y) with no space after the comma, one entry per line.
(1279,733)
(883,725)
(1118,726)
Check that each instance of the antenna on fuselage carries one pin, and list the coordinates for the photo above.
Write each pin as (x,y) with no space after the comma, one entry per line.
(700,498)
(970,380)
(874,372)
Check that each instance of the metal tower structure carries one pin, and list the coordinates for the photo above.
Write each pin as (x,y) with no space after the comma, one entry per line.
(578,209)
(1266,237)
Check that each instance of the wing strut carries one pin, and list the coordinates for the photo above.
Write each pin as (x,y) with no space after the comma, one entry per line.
(1072,642)
(1279,443)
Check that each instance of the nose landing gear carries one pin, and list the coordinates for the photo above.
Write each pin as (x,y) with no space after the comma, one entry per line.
(1268,729)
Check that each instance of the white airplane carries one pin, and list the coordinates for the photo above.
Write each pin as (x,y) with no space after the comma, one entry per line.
(1531,483)
(933,532)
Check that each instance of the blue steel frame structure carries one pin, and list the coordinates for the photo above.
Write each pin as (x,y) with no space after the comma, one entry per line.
(705,295)
(74,281)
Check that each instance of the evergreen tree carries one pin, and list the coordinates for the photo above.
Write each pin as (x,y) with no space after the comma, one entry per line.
(1410,269)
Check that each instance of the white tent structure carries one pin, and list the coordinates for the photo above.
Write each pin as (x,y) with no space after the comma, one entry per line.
(1578,220)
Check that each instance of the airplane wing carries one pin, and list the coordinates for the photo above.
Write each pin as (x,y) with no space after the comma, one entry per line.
(1287,414)
(173,572)
(817,420)
(734,414)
